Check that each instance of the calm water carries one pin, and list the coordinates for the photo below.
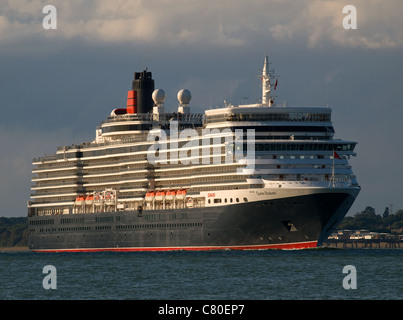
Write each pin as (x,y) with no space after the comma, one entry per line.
(257,275)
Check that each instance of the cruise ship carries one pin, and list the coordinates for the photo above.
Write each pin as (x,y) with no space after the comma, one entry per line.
(242,177)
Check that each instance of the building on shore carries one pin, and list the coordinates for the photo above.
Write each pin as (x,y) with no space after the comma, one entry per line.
(364,239)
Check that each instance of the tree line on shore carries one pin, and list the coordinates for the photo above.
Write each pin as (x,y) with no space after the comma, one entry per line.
(14,231)
(369,220)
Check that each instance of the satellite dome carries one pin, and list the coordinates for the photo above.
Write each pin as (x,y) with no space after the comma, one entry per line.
(158,96)
(184,96)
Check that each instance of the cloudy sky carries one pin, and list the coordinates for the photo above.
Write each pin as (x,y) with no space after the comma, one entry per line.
(57,85)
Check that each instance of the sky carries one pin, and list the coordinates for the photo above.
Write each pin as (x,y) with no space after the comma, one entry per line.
(58,85)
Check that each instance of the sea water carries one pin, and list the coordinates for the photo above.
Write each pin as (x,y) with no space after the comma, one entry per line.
(212,275)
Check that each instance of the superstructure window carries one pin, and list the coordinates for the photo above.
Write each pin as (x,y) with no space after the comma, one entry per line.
(297,128)
(111,151)
(279,116)
(127,127)
(296,146)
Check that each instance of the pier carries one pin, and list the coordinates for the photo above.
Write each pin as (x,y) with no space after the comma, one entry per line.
(364,243)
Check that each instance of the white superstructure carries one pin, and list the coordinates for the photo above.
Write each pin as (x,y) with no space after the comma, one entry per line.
(201,161)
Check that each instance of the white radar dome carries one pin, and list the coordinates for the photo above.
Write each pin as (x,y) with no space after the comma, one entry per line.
(158,96)
(184,96)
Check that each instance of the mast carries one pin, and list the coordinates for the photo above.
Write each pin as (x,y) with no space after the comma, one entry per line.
(267,99)
(333,177)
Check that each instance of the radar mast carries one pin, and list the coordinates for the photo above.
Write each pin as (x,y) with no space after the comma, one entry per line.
(267,75)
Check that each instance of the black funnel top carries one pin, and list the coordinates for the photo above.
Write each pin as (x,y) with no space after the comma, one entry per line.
(143,83)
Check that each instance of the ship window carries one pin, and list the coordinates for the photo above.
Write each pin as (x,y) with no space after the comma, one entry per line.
(217,200)
(209,200)
(245,199)
(230,200)
(237,199)
(126,128)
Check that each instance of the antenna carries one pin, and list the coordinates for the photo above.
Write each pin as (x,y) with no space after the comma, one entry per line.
(327,95)
(267,75)
(266,82)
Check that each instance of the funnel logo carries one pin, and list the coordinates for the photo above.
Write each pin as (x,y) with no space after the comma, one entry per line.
(188,147)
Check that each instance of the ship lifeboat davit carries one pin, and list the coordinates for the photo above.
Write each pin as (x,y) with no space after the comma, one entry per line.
(98,197)
(181,194)
(160,195)
(150,196)
(109,195)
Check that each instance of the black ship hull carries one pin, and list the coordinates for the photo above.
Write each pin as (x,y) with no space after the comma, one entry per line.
(287,223)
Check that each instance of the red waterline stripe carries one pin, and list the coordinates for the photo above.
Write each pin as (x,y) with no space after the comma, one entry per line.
(285,246)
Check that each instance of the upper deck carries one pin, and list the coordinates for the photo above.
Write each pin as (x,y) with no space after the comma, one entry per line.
(262,113)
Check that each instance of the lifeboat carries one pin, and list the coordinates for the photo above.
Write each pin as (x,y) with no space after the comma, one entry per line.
(181,194)
(150,196)
(79,200)
(160,195)
(171,195)
(89,199)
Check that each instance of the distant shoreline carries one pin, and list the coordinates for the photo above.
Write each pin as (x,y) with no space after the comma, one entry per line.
(14,249)
(338,245)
